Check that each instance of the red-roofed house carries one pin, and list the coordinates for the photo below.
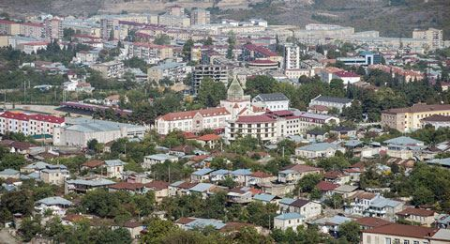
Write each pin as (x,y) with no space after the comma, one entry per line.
(192,121)
(326,187)
(347,76)
(209,139)
(397,233)
(35,124)
(423,216)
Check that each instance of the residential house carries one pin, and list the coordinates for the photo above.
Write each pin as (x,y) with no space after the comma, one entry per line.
(114,168)
(241,195)
(288,220)
(160,188)
(219,175)
(55,176)
(330,225)
(9,173)
(240,175)
(134,227)
(180,188)
(346,191)
(293,173)
(209,140)
(359,202)
(337,177)
(201,175)
(318,150)
(326,188)
(423,216)
(384,208)
(83,186)
(151,160)
(344,132)
(57,205)
(259,177)
(316,135)
(398,233)
(132,188)
(403,147)
(371,222)
(306,208)
(266,198)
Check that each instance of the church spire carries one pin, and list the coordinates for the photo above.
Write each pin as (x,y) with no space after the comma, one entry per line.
(235,91)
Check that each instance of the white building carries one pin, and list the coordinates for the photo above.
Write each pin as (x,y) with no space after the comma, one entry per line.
(311,120)
(318,150)
(331,102)
(34,124)
(78,132)
(151,160)
(306,208)
(271,101)
(288,220)
(193,121)
(292,56)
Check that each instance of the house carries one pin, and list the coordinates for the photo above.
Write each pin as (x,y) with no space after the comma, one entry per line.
(330,225)
(132,188)
(57,205)
(205,189)
(423,216)
(9,173)
(293,173)
(326,188)
(288,220)
(210,140)
(359,202)
(259,177)
(318,150)
(371,222)
(346,191)
(201,175)
(266,198)
(306,208)
(271,101)
(219,175)
(240,175)
(347,77)
(160,188)
(398,233)
(180,188)
(151,160)
(134,227)
(54,176)
(331,102)
(344,132)
(83,186)
(384,208)
(317,135)
(114,168)
(241,195)
(337,177)
(403,147)
(92,164)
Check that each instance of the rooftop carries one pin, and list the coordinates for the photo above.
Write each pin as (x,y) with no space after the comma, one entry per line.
(269,97)
(288,216)
(332,99)
(417,108)
(403,230)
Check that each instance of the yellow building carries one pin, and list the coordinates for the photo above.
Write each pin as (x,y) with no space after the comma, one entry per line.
(409,119)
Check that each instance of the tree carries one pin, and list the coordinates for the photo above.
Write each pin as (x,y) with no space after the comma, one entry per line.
(211,92)
(333,163)
(350,231)
(157,229)
(260,84)
(249,235)
(68,33)
(231,43)
(29,228)
(162,39)
(209,41)
(92,144)
(12,161)
(309,182)
(228,182)
(335,201)
(17,202)
(354,112)
(422,195)
(187,47)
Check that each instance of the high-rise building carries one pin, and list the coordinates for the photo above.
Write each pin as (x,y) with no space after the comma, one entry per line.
(291,56)
(53,29)
(200,17)
(433,36)
(218,73)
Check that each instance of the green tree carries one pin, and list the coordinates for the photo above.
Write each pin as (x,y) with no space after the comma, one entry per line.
(162,39)
(350,231)
(309,182)
(29,228)
(187,47)
(211,92)
(157,230)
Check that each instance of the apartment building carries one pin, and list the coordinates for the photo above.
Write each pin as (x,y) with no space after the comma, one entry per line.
(311,120)
(434,37)
(151,53)
(192,121)
(172,70)
(200,17)
(218,73)
(34,124)
(111,69)
(331,102)
(409,119)
(53,29)
(35,30)
(173,20)
(262,127)
(9,27)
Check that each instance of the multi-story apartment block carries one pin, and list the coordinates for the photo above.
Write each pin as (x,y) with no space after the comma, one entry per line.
(192,121)
(409,119)
(312,120)
(53,29)
(35,124)
(172,70)
(218,73)
(200,17)
(150,53)
(35,30)
(262,127)
(9,27)
(433,36)
(111,69)
(291,56)
(173,20)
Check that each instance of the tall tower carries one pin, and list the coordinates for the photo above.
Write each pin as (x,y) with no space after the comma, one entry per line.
(291,56)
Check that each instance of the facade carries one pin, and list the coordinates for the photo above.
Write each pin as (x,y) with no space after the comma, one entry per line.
(306,208)
(262,127)
(150,53)
(293,173)
(151,160)
(309,121)
(347,77)
(437,121)
(423,216)
(53,29)
(193,121)
(397,233)
(271,101)
(35,124)
(434,37)
(318,150)
(409,119)
(291,57)
(288,220)
(54,176)
(331,102)
(171,70)
(200,17)
(218,73)
(111,69)
(78,132)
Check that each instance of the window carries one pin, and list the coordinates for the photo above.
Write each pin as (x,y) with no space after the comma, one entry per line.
(388,240)
(406,242)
